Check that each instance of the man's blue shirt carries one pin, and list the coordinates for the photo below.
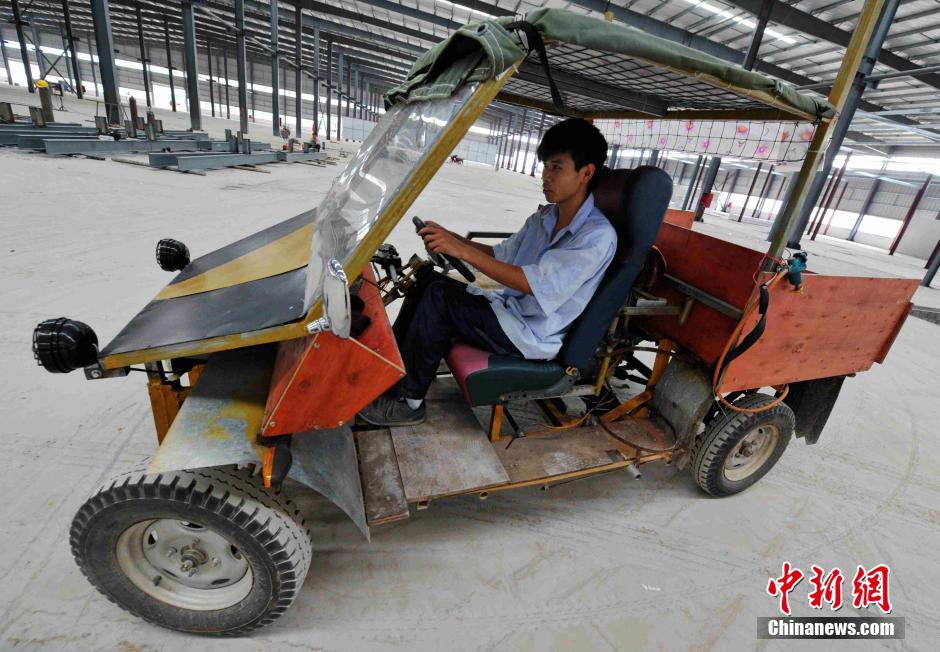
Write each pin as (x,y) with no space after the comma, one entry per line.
(563,273)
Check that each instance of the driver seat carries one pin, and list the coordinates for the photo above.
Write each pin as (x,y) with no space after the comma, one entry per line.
(635,202)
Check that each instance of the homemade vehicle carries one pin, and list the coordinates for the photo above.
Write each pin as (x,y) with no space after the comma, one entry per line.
(260,354)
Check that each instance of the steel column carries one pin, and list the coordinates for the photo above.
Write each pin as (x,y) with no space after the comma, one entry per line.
(70,38)
(654,158)
(275,74)
(835,185)
(316,80)
(242,65)
(169,62)
(211,91)
(228,104)
(41,60)
(933,264)
(504,148)
(143,53)
(708,183)
(515,163)
(329,86)
(750,191)
(106,66)
(751,57)
(825,200)
(528,144)
(91,63)
(835,209)
(861,55)
(348,79)
(535,161)
(763,192)
(910,214)
(298,58)
(251,86)
(866,205)
(692,180)
(192,68)
(68,60)
(6,60)
(21,37)
(339,95)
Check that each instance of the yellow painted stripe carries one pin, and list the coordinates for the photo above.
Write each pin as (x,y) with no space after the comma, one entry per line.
(283,255)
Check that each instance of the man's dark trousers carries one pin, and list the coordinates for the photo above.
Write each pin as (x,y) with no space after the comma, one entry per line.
(434,313)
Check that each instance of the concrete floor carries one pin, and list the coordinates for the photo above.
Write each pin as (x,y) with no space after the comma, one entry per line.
(602,563)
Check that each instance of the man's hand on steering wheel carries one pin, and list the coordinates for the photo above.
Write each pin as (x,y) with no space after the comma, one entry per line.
(441,241)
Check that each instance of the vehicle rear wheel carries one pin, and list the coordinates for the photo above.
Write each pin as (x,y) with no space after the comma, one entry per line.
(739,448)
(208,551)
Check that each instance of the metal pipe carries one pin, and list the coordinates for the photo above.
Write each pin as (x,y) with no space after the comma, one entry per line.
(763,192)
(241,65)
(211,91)
(143,53)
(707,185)
(192,67)
(106,65)
(169,62)
(298,58)
(750,190)
(70,39)
(275,74)
(910,214)
(21,37)
(862,53)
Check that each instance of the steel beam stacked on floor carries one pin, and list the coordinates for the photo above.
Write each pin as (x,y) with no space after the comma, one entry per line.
(216,162)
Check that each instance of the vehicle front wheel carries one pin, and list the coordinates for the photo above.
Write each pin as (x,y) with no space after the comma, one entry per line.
(739,448)
(207,551)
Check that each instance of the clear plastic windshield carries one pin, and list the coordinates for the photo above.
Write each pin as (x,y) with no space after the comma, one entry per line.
(385,162)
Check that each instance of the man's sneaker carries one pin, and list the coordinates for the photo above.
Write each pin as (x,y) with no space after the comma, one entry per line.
(389,411)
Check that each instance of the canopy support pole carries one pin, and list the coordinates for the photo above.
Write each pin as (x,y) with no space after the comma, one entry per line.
(850,82)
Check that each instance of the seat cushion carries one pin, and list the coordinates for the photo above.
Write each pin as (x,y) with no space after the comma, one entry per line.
(484,377)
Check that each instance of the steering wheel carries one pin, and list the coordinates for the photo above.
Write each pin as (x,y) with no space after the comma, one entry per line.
(456,263)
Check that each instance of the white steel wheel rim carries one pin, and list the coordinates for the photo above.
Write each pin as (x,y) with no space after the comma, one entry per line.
(184,564)
(750,454)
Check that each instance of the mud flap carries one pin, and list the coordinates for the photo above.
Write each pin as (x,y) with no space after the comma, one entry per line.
(682,397)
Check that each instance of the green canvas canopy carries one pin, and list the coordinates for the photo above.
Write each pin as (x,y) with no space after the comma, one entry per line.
(602,70)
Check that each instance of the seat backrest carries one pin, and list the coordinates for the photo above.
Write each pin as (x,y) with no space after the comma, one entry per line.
(635,202)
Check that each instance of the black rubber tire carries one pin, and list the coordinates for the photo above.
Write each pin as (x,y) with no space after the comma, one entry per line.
(266,528)
(724,433)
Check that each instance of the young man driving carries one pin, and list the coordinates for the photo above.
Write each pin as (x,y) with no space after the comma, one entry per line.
(549,270)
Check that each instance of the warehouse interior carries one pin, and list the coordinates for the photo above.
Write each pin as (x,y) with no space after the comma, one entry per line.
(207,120)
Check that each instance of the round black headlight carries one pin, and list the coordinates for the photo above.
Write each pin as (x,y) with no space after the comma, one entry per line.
(63,345)
(172,255)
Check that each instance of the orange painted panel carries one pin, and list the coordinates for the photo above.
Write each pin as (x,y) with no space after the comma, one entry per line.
(836,326)
(321,381)
(722,269)
(680,218)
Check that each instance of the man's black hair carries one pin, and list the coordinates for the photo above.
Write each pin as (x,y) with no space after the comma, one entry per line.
(582,140)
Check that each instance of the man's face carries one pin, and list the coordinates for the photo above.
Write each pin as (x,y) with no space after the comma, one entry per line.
(560,180)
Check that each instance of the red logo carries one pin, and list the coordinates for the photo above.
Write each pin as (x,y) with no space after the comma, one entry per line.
(868,587)
(782,585)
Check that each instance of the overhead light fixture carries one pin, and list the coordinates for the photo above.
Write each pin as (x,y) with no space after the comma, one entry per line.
(746,22)
(463,8)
